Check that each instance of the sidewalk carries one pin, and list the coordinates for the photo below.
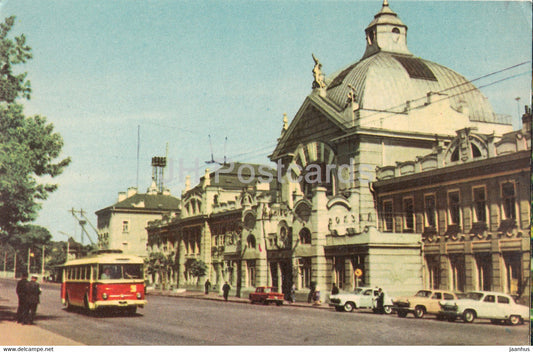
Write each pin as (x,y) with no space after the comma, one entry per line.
(14,334)
(213,296)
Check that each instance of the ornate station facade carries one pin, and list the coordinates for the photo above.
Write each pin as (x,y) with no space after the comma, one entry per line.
(320,216)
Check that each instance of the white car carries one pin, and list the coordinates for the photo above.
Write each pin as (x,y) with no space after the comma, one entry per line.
(495,306)
(362,297)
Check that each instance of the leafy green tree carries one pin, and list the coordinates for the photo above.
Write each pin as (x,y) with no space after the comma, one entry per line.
(158,263)
(198,269)
(29,239)
(29,146)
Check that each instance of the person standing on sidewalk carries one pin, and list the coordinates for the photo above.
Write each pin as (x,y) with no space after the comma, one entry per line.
(33,291)
(21,293)
(334,289)
(225,290)
(293,294)
(207,286)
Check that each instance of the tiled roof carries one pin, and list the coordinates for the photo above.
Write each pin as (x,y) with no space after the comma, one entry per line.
(149,202)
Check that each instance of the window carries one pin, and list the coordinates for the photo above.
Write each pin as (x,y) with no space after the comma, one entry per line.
(448,297)
(480,204)
(305,236)
(437,295)
(508,200)
(251,273)
(125,226)
(388,220)
(489,299)
(430,211)
(251,241)
(408,213)
(454,208)
(503,300)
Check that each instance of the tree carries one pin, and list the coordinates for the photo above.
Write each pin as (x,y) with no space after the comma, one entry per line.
(29,146)
(30,238)
(198,269)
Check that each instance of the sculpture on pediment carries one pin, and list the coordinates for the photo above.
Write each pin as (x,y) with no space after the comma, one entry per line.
(317,74)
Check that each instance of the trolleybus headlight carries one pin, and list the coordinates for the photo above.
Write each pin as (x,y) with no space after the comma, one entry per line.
(139,295)
(104,295)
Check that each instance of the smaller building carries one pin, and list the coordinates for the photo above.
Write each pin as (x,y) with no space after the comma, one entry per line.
(470,201)
(123,224)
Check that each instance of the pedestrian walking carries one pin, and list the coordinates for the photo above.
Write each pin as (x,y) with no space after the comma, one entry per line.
(317,296)
(293,294)
(21,294)
(207,286)
(380,301)
(311,295)
(225,290)
(33,291)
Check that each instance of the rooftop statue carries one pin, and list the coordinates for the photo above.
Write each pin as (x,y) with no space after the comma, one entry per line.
(317,74)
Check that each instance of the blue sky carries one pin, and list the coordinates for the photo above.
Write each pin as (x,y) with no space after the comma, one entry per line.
(178,71)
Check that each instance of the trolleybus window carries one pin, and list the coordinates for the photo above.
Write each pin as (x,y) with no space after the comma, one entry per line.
(120,271)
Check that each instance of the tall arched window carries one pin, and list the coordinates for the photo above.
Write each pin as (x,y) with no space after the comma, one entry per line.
(305,236)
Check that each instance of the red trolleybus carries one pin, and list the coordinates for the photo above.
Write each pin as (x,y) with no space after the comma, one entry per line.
(106,278)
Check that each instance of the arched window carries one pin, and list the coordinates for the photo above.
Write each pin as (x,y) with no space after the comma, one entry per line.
(251,241)
(305,236)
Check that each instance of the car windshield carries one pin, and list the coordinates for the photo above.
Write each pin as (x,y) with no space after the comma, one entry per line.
(476,296)
(423,293)
(358,291)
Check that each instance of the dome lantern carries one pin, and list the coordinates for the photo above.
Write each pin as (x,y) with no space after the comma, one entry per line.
(386,33)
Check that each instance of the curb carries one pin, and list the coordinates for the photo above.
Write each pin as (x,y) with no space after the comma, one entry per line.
(199,295)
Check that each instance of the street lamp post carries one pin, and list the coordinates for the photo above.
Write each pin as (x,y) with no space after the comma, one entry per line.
(42,263)
(518,106)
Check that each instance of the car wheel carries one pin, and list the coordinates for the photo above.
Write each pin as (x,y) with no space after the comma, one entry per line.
(387,309)
(419,312)
(469,316)
(402,313)
(348,306)
(515,320)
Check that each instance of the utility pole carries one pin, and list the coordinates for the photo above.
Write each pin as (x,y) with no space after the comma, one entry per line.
(29,260)
(42,263)
(518,106)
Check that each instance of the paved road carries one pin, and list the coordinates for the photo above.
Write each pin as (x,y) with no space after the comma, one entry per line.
(187,321)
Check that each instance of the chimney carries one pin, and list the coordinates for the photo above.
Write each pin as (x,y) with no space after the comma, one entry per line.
(526,121)
(132,191)
(121,196)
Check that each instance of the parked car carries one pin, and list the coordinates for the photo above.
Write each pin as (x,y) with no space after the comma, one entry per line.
(266,295)
(495,306)
(422,303)
(362,297)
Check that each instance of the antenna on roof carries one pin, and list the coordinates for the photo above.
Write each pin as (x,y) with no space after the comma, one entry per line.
(225,142)
(211,148)
(213,161)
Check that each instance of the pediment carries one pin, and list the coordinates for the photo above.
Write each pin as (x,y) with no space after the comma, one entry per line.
(313,122)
